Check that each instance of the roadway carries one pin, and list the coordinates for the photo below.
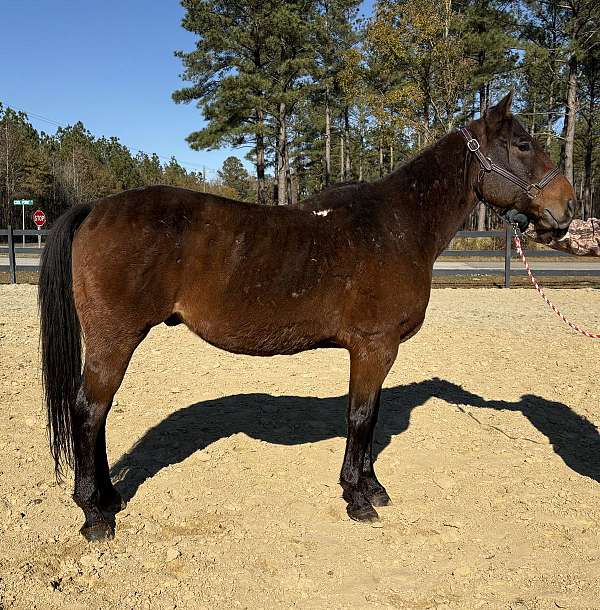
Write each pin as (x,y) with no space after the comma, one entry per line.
(475,266)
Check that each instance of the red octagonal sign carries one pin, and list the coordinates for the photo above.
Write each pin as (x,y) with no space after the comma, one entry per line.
(39,217)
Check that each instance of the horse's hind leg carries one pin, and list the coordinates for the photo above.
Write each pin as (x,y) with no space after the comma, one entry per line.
(102,375)
(367,372)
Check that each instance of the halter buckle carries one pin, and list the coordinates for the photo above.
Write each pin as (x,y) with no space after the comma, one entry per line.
(473,145)
(533,190)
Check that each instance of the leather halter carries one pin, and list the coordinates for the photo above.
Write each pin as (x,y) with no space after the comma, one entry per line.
(487,165)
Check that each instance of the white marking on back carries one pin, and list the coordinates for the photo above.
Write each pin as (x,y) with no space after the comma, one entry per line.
(321,213)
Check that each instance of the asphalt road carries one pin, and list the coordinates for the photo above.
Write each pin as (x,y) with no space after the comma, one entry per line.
(568,264)
(590,264)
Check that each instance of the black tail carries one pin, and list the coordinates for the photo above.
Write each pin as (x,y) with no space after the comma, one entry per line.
(60,335)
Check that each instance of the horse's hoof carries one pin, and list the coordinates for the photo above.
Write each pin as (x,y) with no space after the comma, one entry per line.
(97,532)
(365,514)
(380,498)
(114,504)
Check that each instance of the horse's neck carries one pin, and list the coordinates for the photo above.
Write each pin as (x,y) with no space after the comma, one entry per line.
(434,190)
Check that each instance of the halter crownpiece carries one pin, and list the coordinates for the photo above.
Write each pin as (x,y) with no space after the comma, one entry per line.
(487,165)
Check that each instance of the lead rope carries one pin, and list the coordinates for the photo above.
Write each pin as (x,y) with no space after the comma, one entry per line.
(540,290)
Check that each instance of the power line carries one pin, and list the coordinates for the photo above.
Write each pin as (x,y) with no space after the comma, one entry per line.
(41,117)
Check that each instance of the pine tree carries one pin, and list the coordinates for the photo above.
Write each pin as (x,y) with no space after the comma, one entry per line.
(234,176)
(489,32)
(250,68)
(565,33)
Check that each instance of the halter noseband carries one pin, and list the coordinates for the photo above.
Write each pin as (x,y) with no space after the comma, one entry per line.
(487,165)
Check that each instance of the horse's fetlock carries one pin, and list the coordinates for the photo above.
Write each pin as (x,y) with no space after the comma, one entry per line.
(84,500)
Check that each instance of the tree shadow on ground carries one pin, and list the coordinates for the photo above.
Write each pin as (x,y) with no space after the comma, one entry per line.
(293,420)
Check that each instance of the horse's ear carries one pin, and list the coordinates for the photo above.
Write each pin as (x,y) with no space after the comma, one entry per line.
(495,115)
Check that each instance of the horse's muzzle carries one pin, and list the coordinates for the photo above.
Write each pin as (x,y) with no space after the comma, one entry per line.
(552,227)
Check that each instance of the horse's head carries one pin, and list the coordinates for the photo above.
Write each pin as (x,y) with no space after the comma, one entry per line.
(517,174)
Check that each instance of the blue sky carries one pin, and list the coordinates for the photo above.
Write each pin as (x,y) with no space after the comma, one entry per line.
(109,64)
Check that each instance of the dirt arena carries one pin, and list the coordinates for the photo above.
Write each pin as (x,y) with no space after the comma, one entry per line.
(487,442)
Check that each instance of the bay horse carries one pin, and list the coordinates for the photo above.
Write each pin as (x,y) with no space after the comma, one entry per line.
(353,270)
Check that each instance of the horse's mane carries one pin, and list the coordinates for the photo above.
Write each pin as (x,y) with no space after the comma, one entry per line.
(339,194)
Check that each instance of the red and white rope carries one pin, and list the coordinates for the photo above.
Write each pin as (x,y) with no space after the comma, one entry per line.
(555,309)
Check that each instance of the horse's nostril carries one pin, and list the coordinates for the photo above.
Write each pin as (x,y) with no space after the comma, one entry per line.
(550,218)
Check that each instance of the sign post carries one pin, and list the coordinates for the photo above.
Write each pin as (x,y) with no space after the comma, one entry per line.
(39,218)
(23,203)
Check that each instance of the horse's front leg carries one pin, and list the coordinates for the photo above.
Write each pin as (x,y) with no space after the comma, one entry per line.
(359,483)
(375,491)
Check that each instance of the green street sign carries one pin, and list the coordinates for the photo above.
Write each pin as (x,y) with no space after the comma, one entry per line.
(23,202)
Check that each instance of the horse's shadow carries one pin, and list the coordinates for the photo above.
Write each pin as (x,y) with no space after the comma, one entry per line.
(291,420)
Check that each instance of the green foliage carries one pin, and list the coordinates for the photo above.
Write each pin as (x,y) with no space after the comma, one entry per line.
(326,96)
(73,166)
(316,95)
(233,175)
(254,64)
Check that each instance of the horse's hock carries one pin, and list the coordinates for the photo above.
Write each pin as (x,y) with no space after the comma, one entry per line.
(487,441)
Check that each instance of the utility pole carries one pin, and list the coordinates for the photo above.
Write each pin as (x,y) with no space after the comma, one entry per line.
(7,181)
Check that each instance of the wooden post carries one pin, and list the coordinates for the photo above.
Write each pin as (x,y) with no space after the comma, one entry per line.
(507,254)
(12,264)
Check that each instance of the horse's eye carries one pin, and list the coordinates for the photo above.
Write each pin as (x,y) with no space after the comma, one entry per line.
(524,146)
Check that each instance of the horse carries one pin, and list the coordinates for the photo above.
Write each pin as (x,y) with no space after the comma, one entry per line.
(351,270)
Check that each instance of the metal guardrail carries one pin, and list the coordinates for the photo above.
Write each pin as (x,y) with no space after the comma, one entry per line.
(506,235)
(11,249)
(507,253)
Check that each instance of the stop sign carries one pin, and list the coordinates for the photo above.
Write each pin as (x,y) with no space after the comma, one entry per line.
(39,217)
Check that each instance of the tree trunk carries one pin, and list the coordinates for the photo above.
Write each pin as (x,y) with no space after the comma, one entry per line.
(483,106)
(570,119)
(425,140)
(483,102)
(342,159)
(553,7)
(274,198)
(327,176)
(380,147)
(587,203)
(261,192)
(292,183)
(348,172)
(282,160)
(426,87)
(586,199)
(391,158)
(75,195)
(550,122)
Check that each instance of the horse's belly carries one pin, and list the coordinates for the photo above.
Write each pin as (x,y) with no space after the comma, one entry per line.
(258,335)
(258,342)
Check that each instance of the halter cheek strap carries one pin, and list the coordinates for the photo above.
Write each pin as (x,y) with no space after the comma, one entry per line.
(487,165)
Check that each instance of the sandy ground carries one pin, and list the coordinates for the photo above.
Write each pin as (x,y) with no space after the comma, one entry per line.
(487,442)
